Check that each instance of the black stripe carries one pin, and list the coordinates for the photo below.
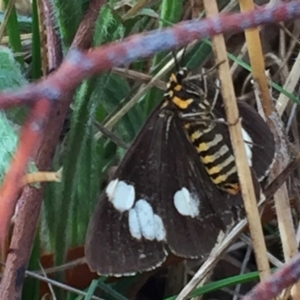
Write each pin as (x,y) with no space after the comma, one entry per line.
(233,178)
(224,171)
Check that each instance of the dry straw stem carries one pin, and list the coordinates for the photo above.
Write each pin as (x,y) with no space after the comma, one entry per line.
(239,149)
(289,85)
(137,7)
(212,260)
(257,60)
(8,11)
(281,199)
(37,177)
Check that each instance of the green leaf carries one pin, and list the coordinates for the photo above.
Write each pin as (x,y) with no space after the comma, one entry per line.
(10,70)
(91,290)
(109,26)
(24,22)
(36,44)
(69,14)
(14,34)
(9,139)
(217,285)
(80,132)
(11,77)
(111,293)
(31,288)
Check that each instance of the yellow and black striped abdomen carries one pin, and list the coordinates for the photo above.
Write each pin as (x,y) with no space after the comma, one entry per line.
(216,157)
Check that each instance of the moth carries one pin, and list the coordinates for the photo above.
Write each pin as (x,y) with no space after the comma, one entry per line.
(177,189)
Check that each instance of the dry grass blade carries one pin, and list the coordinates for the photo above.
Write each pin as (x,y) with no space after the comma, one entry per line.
(282,203)
(49,285)
(8,11)
(257,60)
(239,150)
(41,177)
(59,284)
(212,260)
(289,85)
(281,199)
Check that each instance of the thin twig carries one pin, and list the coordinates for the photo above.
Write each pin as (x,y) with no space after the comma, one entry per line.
(257,59)
(80,65)
(8,194)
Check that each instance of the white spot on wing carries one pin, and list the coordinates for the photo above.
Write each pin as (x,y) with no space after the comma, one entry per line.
(134,225)
(145,215)
(144,223)
(110,189)
(186,203)
(142,256)
(120,194)
(248,145)
(159,228)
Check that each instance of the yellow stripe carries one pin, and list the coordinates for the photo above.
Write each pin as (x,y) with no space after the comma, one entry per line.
(178,88)
(203,147)
(173,78)
(232,188)
(214,170)
(219,168)
(206,145)
(219,179)
(183,104)
(211,158)
(171,93)
(195,135)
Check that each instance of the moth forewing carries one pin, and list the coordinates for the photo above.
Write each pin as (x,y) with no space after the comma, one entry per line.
(112,246)
(177,188)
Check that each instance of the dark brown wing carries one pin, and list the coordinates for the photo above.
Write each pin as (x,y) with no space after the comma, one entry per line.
(160,163)
(218,211)
(263,139)
(109,248)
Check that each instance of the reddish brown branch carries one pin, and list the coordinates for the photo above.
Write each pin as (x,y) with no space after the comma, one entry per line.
(29,210)
(30,138)
(277,282)
(53,41)
(81,65)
